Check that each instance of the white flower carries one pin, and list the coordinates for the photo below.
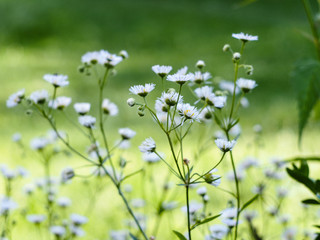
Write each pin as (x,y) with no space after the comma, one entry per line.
(202,191)
(150,157)
(77,231)
(183,70)
(38,143)
(56,80)
(199,77)
(170,98)
(218,231)
(109,107)
(6,205)
(228,86)
(246,85)
(289,234)
(58,231)
(124,54)
(200,64)
(36,218)
(219,101)
(138,203)
(15,98)
(180,78)
(228,216)
(235,130)
(64,202)
(67,173)
(249,162)
(126,133)
(162,71)
(109,60)
(148,146)
(90,57)
(206,114)
(87,121)
(213,179)
(119,235)
(82,108)
(161,106)
(204,93)
(193,207)
(244,102)
(39,97)
(245,37)
(16,137)
(141,90)
(225,145)
(60,103)
(187,111)
(77,219)
(169,205)
(282,192)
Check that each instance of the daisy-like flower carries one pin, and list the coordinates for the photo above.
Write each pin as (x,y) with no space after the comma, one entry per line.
(219,101)
(109,107)
(244,37)
(218,231)
(124,54)
(228,216)
(199,77)
(77,219)
(90,58)
(77,231)
(64,202)
(204,93)
(87,121)
(67,173)
(212,178)
(202,191)
(187,111)
(60,103)
(228,86)
(200,64)
(148,146)
(141,90)
(39,143)
(180,78)
(225,145)
(150,157)
(126,133)
(206,114)
(246,85)
(109,60)
(57,80)
(193,207)
(39,97)
(15,98)
(183,70)
(289,233)
(161,106)
(6,205)
(162,71)
(58,231)
(82,108)
(171,98)
(36,218)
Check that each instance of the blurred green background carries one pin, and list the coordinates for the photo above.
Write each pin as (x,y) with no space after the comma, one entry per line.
(39,37)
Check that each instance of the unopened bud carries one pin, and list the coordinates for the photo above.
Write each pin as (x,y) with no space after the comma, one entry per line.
(236,56)
(141,113)
(186,161)
(81,69)
(124,54)
(131,102)
(226,47)
(200,64)
(67,174)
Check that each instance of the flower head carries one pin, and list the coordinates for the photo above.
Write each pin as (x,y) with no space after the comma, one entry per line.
(246,85)
(82,108)
(109,107)
(219,101)
(187,111)
(15,98)
(39,97)
(39,143)
(180,78)
(162,71)
(77,219)
(126,133)
(60,103)
(141,90)
(87,121)
(36,218)
(58,231)
(56,80)
(148,146)
(170,98)
(199,77)
(245,37)
(204,93)
(218,231)
(228,216)
(225,145)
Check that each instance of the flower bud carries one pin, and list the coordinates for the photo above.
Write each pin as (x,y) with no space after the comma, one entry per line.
(141,113)
(67,174)
(226,47)
(131,102)
(200,64)
(124,54)
(236,56)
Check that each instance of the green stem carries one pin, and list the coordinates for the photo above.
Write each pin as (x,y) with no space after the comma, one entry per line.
(188,210)
(237,195)
(307,8)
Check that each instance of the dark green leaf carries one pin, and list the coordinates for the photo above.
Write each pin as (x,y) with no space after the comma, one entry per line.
(295,174)
(304,168)
(206,220)
(179,235)
(317,226)
(310,201)
(306,81)
(133,237)
(249,202)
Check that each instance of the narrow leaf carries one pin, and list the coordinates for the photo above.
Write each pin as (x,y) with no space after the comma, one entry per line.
(133,237)
(206,220)
(311,201)
(249,202)
(295,174)
(179,235)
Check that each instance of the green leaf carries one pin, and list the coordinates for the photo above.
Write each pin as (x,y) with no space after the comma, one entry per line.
(306,82)
(249,202)
(206,220)
(311,201)
(133,237)
(179,235)
(300,177)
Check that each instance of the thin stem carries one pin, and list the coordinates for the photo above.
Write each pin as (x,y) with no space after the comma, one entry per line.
(307,8)
(174,156)
(188,211)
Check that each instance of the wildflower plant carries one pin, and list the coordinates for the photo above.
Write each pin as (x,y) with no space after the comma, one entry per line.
(175,117)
